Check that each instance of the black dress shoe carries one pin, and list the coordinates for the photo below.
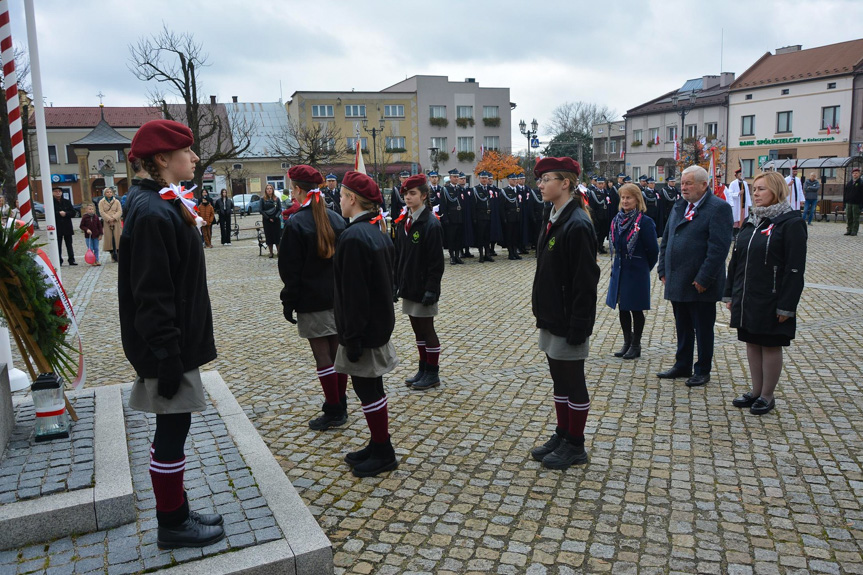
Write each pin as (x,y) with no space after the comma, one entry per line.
(467,255)
(697,380)
(189,533)
(458,260)
(673,373)
(73,263)
(207,518)
(489,259)
(539,452)
(762,406)
(382,457)
(745,400)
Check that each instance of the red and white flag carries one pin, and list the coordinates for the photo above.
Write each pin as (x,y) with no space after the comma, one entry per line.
(359,164)
(676,151)
(656,139)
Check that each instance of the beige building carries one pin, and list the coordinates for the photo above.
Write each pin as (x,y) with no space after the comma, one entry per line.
(609,143)
(795,104)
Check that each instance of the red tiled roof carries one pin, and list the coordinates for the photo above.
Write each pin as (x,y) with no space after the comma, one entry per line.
(822,62)
(88,117)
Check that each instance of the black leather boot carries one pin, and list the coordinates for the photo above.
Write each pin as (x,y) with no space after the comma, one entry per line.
(357,457)
(627,341)
(334,416)
(569,452)
(412,380)
(429,379)
(190,533)
(540,452)
(381,459)
(634,349)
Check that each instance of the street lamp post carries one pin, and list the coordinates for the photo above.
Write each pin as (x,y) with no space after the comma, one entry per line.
(375,132)
(607,147)
(529,134)
(682,108)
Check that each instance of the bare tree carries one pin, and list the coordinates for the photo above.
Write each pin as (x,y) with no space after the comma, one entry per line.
(578,117)
(315,144)
(173,61)
(7,163)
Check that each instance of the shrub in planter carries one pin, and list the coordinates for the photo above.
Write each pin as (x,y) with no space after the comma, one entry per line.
(396,150)
(636,143)
(439,122)
(443,157)
(650,144)
(464,122)
(491,122)
(466,156)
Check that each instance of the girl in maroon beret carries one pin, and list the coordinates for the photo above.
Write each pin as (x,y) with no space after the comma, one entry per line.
(166,323)
(306,268)
(365,318)
(419,268)
(564,303)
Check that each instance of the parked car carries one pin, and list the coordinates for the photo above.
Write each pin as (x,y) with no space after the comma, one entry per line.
(245,203)
(38,210)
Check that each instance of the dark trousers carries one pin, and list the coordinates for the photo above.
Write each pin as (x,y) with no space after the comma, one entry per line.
(69,251)
(482,235)
(694,321)
(455,237)
(225,228)
(511,235)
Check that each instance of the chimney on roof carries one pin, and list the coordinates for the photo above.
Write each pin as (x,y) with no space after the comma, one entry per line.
(212,99)
(789,49)
(470,80)
(234,99)
(709,82)
(726,79)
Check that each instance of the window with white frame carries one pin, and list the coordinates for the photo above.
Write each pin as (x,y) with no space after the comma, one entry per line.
(747,126)
(464,111)
(672,133)
(278,182)
(711,130)
(654,134)
(465,144)
(395,143)
(748,168)
(491,142)
(636,173)
(690,131)
(784,122)
(491,111)
(322,111)
(440,144)
(355,111)
(52,153)
(437,111)
(328,144)
(352,144)
(830,117)
(651,172)
(637,136)
(71,156)
(610,146)
(394,111)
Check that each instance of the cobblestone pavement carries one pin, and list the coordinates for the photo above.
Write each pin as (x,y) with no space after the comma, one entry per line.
(679,481)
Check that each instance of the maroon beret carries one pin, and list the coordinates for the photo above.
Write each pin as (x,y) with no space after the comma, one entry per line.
(413,182)
(306,174)
(158,136)
(363,185)
(546,165)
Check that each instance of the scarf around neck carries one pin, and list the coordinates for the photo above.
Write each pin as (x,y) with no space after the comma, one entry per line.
(770,212)
(626,225)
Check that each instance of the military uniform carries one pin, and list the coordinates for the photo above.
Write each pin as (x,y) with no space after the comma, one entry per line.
(668,196)
(524,239)
(481,210)
(452,216)
(599,200)
(651,200)
(467,206)
(435,190)
(511,215)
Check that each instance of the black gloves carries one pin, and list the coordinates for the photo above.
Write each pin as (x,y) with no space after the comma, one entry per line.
(354,351)
(170,376)
(575,336)
(429,298)
(289,314)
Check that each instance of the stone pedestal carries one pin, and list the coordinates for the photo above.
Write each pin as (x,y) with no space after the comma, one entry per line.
(7,413)
(84,174)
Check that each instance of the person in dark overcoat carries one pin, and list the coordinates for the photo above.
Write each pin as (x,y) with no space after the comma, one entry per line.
(306,268)
(363,268)
(271,216)
(510,210)
(633,243)
(63,212)
(651,200)
(482,207)
(452,217)
(466,199)
(419,267)
(331,193)
(224,210)
(564,304)
(765,281)
(668,196)
(166,322)
(496,236)
(692,269)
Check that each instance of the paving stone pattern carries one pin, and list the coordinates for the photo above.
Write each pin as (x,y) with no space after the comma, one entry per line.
(679,481)
(30,469)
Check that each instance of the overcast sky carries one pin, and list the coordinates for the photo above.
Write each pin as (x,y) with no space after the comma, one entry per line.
(619,53)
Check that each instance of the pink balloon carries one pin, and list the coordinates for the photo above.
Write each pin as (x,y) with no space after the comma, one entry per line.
(90,257)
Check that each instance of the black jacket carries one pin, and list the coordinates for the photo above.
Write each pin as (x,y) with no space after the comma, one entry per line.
(162,286)
(450,205)
(482,201)
(565,283)
(509,205)
(133,191)
(765,276)
(271,209)
(224,207)
(363,267)
(64,223)
(396,200)
(419,257)
(308,279)
(854,192)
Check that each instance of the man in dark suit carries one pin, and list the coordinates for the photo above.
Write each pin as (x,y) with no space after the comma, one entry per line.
(692,269)
(63,213)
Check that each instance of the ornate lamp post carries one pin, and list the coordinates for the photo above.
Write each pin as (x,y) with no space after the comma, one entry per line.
(375,132)
(529,134)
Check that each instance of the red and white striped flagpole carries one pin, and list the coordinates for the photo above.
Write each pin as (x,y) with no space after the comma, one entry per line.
(13,109)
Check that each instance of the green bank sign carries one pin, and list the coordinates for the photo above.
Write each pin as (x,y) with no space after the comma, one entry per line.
(780,141)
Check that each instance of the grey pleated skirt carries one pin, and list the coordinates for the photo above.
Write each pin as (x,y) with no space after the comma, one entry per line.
(190,397)
(556,347)
(316,324)
(374,362)
(416,309)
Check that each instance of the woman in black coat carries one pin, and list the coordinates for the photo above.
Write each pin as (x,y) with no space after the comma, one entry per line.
(765,281)
(363,268)
(564,303)
(307,272)
(633,242)
(419,268)
(271,214)
(224,210)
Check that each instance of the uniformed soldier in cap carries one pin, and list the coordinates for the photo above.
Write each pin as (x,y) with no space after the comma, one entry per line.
(599,206)
(651,200)
(452,216)
(467,206)
(511,215)
(435,189)
(524,239)
(642,183)
(331,194)
(397,204)
(496,226)
(668,196)
(482,202)
(535,208)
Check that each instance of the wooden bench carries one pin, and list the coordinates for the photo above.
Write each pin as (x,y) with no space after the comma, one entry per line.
(259,234)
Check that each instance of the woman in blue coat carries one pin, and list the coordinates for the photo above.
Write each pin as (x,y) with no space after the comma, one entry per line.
(633,243)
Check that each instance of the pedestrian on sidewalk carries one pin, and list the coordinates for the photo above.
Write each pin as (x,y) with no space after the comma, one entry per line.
(633,243)
(112,212)
(853,199)
(765,281)
(63,212)
(810,194)
(271,216)
(224,210)
(166,322)
(93,230)
(208,214)
(564,303)
(365,318)
(306,267)
(419,268)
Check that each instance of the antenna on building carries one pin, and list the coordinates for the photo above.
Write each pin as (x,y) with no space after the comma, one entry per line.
(280,90)
(721,48)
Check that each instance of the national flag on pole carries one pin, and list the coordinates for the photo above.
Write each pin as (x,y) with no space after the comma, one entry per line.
(656,140)
(835,129)
(676,151)
(481,152)
(622,153)
(453,150)
(359,164)
(828,129)
(711,173)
